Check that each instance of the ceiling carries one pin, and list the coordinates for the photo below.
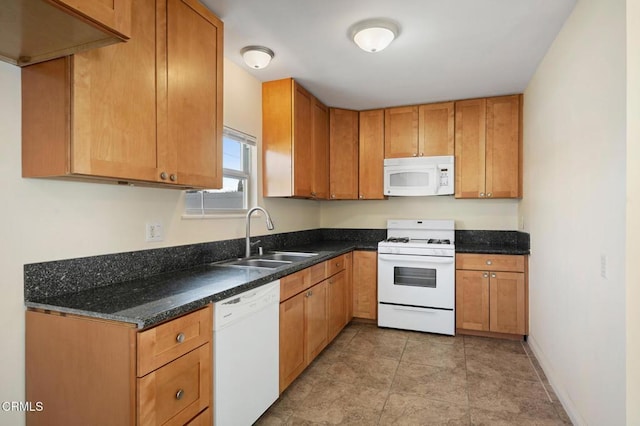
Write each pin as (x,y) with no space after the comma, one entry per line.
(445,50)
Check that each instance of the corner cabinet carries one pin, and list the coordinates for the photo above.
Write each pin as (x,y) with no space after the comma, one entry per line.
(313,310)
(488,147)
(148,111)
(295,142)
(492,295)
(97,372)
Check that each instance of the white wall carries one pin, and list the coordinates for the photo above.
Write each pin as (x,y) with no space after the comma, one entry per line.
(633,212)
(468,214)
(47,220)
(575,142)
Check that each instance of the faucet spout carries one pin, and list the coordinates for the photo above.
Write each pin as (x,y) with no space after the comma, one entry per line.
(248,226)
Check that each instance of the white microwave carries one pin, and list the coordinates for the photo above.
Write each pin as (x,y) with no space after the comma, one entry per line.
(416,176)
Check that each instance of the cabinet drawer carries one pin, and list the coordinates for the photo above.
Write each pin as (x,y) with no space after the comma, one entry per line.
(202,419)
(294,283)
(166,342)
(177,392)
(490,262)
(318,272)
(335,265)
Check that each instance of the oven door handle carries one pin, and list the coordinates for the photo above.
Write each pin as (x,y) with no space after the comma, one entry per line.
(413,309)
(415,258)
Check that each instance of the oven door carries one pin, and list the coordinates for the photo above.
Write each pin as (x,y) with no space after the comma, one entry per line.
(416,281)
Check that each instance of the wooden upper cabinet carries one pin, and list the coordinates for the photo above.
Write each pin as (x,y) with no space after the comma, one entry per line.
(295,141)
(470,148)
(503,177)
(343,151)
(114,15)
(118,113)
(320,143)
(194,93)
(34,31)
(436,129)
(401,132)
(488,147)
(371,155)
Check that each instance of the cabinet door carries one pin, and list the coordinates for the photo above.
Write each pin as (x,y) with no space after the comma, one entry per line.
(348,269)
(336,304)
(401,132)
(371,155)
(504,147)
(316,320)
(292,337)
(114,114)
(320,142)
(472,300)
(436,131)
(302,143)
(470,148)
(343,151)
(193,95)
(507,302)
(115,15)
(365,284)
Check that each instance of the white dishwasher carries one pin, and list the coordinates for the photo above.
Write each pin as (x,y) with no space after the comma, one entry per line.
(246,361)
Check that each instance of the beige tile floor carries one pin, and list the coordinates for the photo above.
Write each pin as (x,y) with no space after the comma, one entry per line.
(377,376)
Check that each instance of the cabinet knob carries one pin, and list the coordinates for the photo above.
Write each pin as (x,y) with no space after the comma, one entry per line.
(313,194)
(179,394)
(333,195)
(493,275)
(163,175)
(415,155)
(489,194)
(361,196)
(180,338)
(422,154)
(172,177)
(482,195)
(485,275)
(489,262)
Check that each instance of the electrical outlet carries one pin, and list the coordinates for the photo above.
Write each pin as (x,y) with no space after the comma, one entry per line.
(154,232)
(603,266)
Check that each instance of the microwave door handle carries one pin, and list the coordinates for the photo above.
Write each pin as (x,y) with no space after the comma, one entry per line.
(415,258)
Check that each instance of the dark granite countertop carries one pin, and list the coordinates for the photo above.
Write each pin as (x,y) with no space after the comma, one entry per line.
(492,242)
(151,300)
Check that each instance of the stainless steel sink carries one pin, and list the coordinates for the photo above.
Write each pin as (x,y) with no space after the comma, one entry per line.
(288,256)
(259,263)
(271,260)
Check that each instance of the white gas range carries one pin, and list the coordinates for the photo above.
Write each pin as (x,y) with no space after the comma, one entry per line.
(416,276)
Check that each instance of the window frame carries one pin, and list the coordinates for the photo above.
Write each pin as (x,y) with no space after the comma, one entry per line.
(248,143)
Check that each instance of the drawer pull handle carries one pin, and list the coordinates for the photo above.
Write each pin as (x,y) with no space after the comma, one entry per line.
(180,338)
(485,275)
(179,394)
(493,275)
(489,262)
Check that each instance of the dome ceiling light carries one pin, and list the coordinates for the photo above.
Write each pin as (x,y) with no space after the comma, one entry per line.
(256,57)
(373,35)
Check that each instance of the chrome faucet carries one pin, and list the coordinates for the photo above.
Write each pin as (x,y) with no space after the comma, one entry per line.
(248,220)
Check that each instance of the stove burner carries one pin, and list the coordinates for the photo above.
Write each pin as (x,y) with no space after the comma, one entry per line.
(438,241)
(398,239)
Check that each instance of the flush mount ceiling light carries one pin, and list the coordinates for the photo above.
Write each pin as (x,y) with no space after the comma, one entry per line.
(257,57)
(373,35)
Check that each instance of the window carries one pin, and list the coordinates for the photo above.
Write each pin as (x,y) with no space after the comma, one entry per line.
(237,164)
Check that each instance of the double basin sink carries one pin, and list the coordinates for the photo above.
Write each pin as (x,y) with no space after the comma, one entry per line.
(270,260)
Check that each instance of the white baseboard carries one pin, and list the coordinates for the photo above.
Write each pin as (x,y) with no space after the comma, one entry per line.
(560,391)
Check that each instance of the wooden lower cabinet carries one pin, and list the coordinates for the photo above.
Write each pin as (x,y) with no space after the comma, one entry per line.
(88,371)
(310,319)
(365,284)
(492,298)
(336,304)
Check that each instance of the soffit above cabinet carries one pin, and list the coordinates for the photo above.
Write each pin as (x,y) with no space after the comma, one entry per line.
(33,31)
